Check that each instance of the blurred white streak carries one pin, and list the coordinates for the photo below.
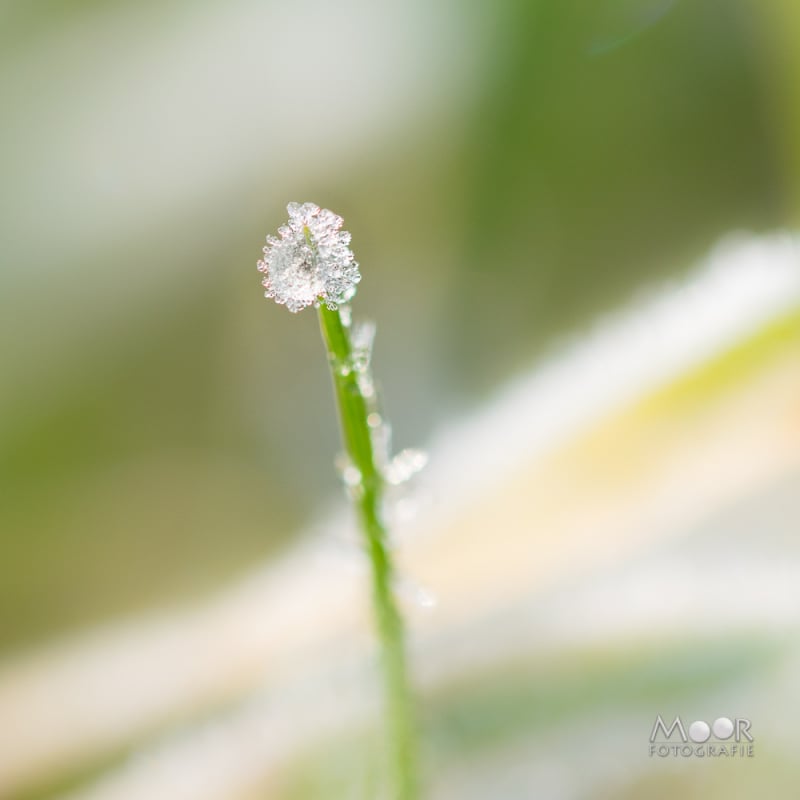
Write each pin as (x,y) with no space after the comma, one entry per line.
(295,634)
(91,694)
(664,333)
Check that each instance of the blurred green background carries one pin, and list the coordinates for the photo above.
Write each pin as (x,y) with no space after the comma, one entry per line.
(509,171)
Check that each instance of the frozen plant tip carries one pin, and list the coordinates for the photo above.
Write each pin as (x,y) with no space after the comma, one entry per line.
(312,264)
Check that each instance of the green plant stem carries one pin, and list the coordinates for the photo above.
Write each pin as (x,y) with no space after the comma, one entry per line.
(353,411)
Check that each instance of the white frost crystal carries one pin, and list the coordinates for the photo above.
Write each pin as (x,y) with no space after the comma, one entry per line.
(311,262)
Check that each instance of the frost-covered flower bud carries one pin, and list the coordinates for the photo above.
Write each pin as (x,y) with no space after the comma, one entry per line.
(311,262)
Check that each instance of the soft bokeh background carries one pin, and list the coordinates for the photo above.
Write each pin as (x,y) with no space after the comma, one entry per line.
(512,173)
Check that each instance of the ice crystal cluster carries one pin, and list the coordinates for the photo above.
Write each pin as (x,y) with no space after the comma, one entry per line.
(310,262)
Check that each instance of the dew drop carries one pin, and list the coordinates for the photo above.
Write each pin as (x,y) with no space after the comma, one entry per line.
(340,368)
(382,445)
(404,465)
(366,386)
(361,339)
(348,472)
